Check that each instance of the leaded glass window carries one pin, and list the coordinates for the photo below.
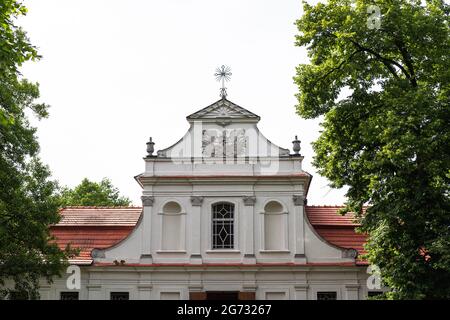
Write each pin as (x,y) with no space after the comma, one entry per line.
(223,226)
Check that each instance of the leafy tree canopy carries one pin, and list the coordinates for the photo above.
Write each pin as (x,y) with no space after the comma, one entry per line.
(90,193)
(28,204)
(388,140)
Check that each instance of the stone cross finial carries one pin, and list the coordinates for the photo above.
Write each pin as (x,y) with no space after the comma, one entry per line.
(223,74)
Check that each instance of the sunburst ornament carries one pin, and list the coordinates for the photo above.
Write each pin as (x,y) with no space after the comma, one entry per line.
(223,74)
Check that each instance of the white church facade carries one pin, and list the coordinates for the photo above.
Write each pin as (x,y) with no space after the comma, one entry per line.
(224,216)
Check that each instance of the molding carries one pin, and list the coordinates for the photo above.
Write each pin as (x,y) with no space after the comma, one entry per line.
(299,200)
(233,251)
(162,213)
(301,287)
(245,178)
(249,201)
(94,286)
(147,201)
(196,201)
(143,286)
(195,288)
(171,251)
(223,109)
(275,251)
(274,213)
(249,287)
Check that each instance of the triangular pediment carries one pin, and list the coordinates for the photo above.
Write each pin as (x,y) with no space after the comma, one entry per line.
(223,109)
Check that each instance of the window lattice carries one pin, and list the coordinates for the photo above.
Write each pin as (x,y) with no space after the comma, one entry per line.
(223,226)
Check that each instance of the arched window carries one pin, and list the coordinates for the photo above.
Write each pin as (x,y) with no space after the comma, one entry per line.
(171,227)
(275,226)
(223,225)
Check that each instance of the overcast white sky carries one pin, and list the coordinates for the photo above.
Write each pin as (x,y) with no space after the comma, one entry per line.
(117,72)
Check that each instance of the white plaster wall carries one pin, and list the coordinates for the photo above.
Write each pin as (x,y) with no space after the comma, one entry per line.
(297,228)
(213,166)
(318,250)
(151,283)
(128,249)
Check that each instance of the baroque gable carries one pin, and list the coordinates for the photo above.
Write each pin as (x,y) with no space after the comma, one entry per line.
(223,130)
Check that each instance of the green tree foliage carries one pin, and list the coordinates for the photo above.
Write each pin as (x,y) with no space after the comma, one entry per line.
(388,140)
(28,204)
(89,193)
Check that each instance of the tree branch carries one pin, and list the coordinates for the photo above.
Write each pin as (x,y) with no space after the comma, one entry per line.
(399,43)
(386,61)
(338,67)
(407,59)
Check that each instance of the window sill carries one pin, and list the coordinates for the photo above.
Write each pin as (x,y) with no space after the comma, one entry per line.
(223,251)
(274,251)
(171,251)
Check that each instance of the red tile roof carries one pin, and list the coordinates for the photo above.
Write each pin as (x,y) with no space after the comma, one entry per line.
(335,228)
(328,216)
(100,216)
(101,227)
(87,228)
(343,237)
(88,238)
